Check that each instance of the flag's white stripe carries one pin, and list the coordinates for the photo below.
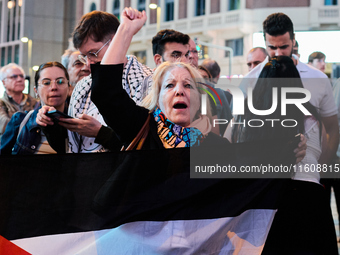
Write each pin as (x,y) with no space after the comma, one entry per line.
(244,234)
(72,243)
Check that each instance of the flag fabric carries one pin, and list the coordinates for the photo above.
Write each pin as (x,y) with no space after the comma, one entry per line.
(138,202)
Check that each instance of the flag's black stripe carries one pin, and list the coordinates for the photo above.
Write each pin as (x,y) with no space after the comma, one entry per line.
(55,194)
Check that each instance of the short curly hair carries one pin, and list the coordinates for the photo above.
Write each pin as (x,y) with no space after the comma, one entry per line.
(278,24)
(165,36)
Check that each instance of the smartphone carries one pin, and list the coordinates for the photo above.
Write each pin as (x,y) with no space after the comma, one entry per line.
(56,115)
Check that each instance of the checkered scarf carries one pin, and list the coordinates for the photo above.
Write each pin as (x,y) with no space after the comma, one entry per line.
(80,103)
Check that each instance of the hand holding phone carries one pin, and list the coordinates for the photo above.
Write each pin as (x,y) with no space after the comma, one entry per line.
(56,115)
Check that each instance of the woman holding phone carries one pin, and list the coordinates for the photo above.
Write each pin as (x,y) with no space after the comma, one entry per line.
(23,134)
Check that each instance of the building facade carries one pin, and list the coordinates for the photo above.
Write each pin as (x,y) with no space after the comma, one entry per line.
(232,23)
(229,23)
(47,24)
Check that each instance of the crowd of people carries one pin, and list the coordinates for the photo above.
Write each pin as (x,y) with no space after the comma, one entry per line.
(113,98)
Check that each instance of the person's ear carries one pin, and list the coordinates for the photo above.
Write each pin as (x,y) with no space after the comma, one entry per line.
(36,92)
(158,59)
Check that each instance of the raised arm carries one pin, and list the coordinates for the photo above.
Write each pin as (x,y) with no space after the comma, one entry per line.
(131,22)
(118,110)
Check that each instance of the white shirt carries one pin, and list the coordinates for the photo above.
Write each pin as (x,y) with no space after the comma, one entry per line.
(313,80)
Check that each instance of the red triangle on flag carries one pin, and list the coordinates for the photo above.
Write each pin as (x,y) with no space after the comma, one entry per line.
(7,248)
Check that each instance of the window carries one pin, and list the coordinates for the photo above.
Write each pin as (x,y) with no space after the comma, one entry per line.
(3,56)
(8,25)
(141,5)
(202,52)
(169,10)
(236,45)
(331,2)
(19,25)
(116,8)
(141,56)
(200,7)
(13,24)
(234,5)
(93,7)
(9,55)
(16,54)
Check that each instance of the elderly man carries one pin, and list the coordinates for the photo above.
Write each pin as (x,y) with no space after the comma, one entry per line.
(77,70)
(13,100)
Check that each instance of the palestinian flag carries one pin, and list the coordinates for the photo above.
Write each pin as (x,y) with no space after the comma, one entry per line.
(138,202)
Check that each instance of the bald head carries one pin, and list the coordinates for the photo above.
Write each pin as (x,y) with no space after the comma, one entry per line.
(255,57)
(213,68)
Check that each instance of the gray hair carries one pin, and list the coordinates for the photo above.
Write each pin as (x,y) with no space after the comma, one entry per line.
(65,58)
(3,70)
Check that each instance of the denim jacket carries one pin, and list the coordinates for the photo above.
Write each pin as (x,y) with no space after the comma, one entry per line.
(29,138)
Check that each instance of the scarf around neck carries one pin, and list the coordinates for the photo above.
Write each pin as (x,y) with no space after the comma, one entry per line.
(177,136)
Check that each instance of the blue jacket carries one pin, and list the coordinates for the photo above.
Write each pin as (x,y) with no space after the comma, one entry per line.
(30,135)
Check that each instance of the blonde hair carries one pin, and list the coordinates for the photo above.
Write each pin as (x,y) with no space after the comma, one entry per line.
(151,100)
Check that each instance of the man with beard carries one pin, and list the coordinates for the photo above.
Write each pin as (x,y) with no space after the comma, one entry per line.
(279,38)
(303,212)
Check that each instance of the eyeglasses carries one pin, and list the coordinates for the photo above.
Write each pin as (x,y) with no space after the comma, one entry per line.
(15,76)
(59,82)
(91,56)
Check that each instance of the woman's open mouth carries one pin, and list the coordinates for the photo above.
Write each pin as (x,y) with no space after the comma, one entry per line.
(180,105)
